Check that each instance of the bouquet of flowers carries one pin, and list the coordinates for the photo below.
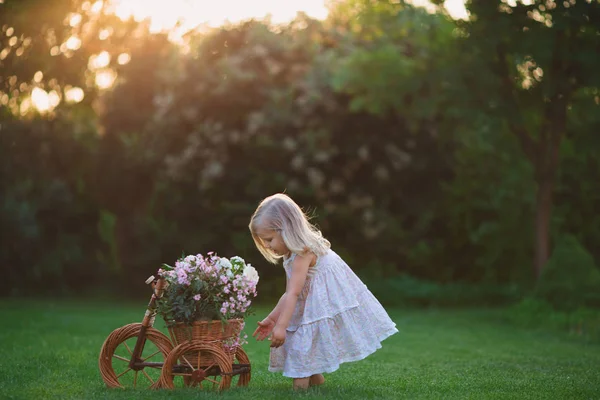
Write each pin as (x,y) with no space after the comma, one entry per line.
(203,288)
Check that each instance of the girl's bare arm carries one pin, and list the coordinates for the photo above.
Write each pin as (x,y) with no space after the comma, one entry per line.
(274,315)
(294,288)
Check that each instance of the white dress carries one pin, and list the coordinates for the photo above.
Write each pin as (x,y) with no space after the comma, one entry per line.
(336,320)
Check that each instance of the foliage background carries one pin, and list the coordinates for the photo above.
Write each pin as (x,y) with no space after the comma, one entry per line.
(388,123)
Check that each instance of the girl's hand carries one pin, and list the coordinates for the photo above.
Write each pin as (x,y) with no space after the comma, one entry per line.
(265,327)
(278,336)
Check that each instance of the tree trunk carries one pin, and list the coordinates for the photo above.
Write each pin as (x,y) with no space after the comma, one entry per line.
(546,167)
(543,213)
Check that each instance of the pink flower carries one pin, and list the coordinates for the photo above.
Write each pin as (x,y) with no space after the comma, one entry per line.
(197,297)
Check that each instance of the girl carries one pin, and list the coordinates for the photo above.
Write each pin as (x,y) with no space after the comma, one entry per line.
(326,316)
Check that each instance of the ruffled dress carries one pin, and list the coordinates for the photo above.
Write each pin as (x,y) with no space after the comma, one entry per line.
(336,320)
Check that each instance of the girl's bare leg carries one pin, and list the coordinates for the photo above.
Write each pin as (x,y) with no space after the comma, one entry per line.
(317,379)
(301,383)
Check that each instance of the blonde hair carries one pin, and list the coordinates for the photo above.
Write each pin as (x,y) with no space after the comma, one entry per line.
(280,213)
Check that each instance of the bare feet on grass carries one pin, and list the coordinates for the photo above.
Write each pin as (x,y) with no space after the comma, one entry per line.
(305,383)
(301,383)
(317,380)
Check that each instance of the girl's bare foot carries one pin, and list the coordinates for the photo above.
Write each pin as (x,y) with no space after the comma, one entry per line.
(317,380)
(301,383)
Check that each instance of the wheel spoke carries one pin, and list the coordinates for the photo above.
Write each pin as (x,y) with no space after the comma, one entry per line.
(148,376)
(213,381)
(128,349)
(207,368)
(121,358)
(188,363)
(135,375)
(123,373)
(150,356)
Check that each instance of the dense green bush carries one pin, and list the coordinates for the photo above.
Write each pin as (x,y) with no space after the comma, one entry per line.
(408,291)
(571,279)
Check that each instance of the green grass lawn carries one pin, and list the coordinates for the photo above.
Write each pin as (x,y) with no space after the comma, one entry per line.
(50,350)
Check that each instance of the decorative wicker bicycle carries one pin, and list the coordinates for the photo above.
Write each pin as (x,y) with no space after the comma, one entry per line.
(200,355)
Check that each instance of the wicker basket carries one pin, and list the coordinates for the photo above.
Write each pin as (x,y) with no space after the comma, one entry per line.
(223,334)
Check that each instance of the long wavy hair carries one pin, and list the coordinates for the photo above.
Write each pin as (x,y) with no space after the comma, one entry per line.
(280,213)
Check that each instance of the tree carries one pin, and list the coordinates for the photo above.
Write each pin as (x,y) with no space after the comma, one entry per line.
(530,65)
(54,47)
(543,60)
(47,147)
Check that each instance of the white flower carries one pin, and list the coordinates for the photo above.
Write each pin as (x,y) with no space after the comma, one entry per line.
(224,263)
(251,274)
(237,260)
